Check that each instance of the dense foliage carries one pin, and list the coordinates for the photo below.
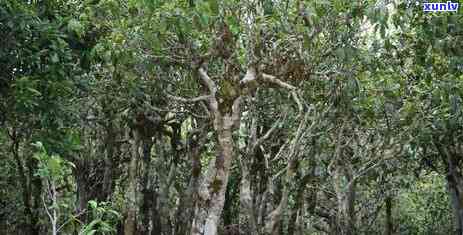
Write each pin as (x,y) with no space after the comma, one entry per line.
(230,117)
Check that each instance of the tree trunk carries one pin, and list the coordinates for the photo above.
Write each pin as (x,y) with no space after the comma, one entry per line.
(455,188)
(155,216)
(185,210)
(147,191)
(212,191)
(108,183)
(131,193)
(389,221)
(456,201)
(80,175)
(299,202)
(36,191)
(247,215)
(349,206)
(345,223)
(351,209)
(273,221)
(31,225)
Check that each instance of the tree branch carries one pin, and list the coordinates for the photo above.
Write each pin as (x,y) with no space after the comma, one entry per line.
(272,79)
(250,76)
(188,100)
(293,90)
(236,112)
(207,81)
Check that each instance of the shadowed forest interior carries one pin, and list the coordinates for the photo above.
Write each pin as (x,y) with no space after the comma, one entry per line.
(251,117)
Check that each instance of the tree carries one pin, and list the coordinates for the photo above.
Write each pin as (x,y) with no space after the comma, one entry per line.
(229,117)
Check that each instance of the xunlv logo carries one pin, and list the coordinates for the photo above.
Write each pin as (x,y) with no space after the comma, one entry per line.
(440,6)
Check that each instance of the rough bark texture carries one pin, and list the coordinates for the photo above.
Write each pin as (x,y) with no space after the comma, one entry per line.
(350,209)
(389,221)
(247,215)
(185,211)
(131,195)
(36,192)
(454,184)
(345,221)
(82,188)
(147,191)
(108,182)
(25,189)
(212,191)
(456,202)
(293,226)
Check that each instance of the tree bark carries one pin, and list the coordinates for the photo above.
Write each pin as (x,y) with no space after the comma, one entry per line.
(299,202)
(80,175)
(350,209)
(456,202)
(247,215)
(131,193)
(455,186)
(345,221)
(185,210)
(147,191)
(389,221)
(108,183)
(212,191)
(36,194)
(27,183)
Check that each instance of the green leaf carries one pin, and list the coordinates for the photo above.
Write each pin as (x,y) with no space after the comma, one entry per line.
(71,164)
(88,229)
(93,204)
(91,232)
(105,227)
(54,58)
(76,27)
(38,144)
(54,164)
(36,92)
(324,2)
(214,7)
(382,31)
(115,213)
(338,5)
(340,53)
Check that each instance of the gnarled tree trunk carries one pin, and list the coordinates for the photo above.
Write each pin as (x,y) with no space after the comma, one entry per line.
(212,190)
(185,210)
(130,224)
